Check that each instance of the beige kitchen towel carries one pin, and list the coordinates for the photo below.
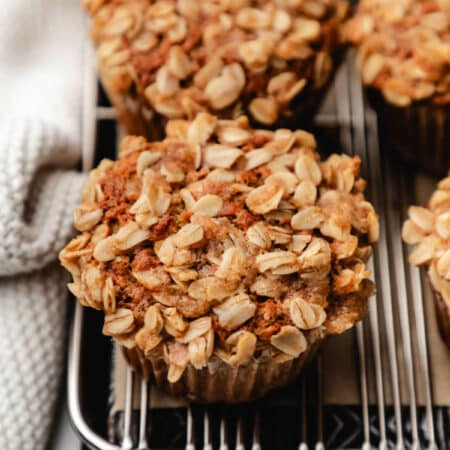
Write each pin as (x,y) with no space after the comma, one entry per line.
(41,58)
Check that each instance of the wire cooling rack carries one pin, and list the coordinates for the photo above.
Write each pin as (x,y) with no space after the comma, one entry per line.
(304,421)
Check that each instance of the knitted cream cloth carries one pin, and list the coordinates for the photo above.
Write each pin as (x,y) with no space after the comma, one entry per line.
(40,91)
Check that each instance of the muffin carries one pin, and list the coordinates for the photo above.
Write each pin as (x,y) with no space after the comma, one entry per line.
(167,59)
(223,255)
(404,57)
(429,230)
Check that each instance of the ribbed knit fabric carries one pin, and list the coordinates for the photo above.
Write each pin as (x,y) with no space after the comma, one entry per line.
(32,340)
(37,196)
(41,63)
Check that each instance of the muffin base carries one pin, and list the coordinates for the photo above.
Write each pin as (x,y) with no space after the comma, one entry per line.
(443,317)
(219,382)
(131,114)
(137,118)
(420,133)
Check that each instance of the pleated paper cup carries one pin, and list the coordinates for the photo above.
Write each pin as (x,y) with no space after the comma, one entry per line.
(420,133)
(443,316)
(220,382)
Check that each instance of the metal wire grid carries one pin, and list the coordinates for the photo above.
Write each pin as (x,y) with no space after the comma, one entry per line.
(394,279)
(389,269)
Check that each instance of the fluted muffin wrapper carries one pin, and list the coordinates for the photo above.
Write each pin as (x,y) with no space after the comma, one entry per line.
(443,316)
(420,133)
(138,119)
(220,382)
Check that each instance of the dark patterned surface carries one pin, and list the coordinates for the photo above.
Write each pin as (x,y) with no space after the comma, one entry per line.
(280,428)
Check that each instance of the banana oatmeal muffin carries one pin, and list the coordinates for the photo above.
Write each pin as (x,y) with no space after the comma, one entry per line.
(223,255)
(166,59)
(429,230)
(404,57)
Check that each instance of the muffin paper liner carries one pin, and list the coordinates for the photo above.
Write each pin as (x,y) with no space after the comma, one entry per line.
(220,382)
(130,111)
(443,316)
(420,133)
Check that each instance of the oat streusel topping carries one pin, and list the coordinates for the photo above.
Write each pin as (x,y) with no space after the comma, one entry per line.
(186,56)
(404,48)
(223,240)
(429,230)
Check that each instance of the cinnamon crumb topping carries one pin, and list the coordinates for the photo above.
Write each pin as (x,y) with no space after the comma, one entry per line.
(216,231)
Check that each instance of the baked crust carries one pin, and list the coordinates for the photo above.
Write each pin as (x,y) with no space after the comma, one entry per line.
(222,241)
(168,59)
(404,49)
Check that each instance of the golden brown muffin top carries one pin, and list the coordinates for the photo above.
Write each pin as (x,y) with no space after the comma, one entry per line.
(429,230)
(223,240)
(188,56)
(404,48)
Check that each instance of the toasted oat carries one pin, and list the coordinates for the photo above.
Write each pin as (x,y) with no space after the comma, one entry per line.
(189,235)
(174,324)
(129,236)
(109,296)
(172,173)
(86,216)
(235,311)
(105,250)
(299,242)
(258,235)
(197,352)
(264,198)
(233,265)
(243,346)
(421,217)
(403,49)
(93,279)
(146,159)
(153,320)
(201,128)
(119,322)
(210,289)
(411,233)
(221,156)
(306,168)
(279,263)
(305,194)
(443,225)
(268,286)
(179,64)
(178,358)
(287,180)
(209,205)
(256,158)
(264,110)
(424,252)
(223,90)
(170,255)
(147,341)
(196,328)
(306,315)
(230,135)
(289,340)
(152,279)
(316,256)
(70,255)
(307,219)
